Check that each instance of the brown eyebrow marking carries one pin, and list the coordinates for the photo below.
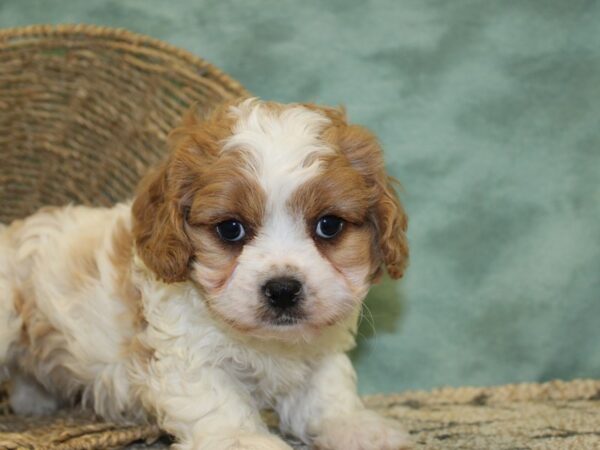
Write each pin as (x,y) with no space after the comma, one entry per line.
(228,191)
(338,190)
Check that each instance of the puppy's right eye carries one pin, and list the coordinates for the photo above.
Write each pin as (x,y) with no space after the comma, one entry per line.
(231,231)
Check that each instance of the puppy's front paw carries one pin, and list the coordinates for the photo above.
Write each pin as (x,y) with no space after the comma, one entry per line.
(248,441)
(362,431)
(29,398)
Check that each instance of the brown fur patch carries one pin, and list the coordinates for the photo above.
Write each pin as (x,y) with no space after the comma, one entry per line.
(352,250)
(165,195)
(83,263)
(18,301)
(339,190)
(216,259)
(23,311)
(227,191)
(357,147)
(138,351)
(121,257)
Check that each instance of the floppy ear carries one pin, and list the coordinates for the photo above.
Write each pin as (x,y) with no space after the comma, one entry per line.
(158,227)
(391,222)
(387,214)
(159,208)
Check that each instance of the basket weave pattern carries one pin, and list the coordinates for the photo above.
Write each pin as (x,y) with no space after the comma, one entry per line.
(85,110)
(550,416)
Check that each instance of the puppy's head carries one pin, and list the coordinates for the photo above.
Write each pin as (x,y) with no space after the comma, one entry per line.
(282,215)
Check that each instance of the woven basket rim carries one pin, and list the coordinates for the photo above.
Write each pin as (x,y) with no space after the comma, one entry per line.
(118,33)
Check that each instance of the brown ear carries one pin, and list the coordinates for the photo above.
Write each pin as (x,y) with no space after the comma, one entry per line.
(392,223)
(158,227)
(163,195)
(387,214)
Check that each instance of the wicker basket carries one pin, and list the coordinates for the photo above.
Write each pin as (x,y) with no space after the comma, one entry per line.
(85,110)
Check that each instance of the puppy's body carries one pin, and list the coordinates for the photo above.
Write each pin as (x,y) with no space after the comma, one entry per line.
(144,312)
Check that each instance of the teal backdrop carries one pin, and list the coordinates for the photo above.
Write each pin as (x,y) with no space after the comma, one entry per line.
(489,114)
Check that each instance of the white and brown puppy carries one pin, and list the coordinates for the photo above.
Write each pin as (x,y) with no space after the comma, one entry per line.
(231,283)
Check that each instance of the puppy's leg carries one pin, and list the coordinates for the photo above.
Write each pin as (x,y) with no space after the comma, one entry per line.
(10,323)
(328,412)
(205,408)
(29,398)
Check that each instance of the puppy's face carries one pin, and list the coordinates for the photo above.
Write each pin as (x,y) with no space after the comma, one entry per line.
(282,215)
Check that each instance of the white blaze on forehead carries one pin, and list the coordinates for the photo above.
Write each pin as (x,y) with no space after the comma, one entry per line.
(282,144)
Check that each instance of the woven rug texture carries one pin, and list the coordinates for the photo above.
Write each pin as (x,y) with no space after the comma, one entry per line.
(554,415)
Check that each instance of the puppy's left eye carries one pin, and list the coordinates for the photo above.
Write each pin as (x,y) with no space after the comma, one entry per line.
(231,231)
(329,226)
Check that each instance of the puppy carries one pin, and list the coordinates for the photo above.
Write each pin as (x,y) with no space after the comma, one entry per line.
(232,282)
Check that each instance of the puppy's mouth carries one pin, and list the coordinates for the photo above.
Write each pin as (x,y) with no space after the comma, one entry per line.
(282,318)
(286,320)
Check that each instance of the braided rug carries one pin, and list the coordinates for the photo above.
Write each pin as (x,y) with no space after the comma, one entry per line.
(557,415)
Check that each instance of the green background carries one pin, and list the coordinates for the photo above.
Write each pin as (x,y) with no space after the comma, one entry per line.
(489,115)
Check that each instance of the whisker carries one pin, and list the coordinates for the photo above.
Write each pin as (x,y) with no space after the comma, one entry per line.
(367,316)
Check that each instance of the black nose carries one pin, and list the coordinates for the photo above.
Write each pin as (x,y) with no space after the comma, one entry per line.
(282,292)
